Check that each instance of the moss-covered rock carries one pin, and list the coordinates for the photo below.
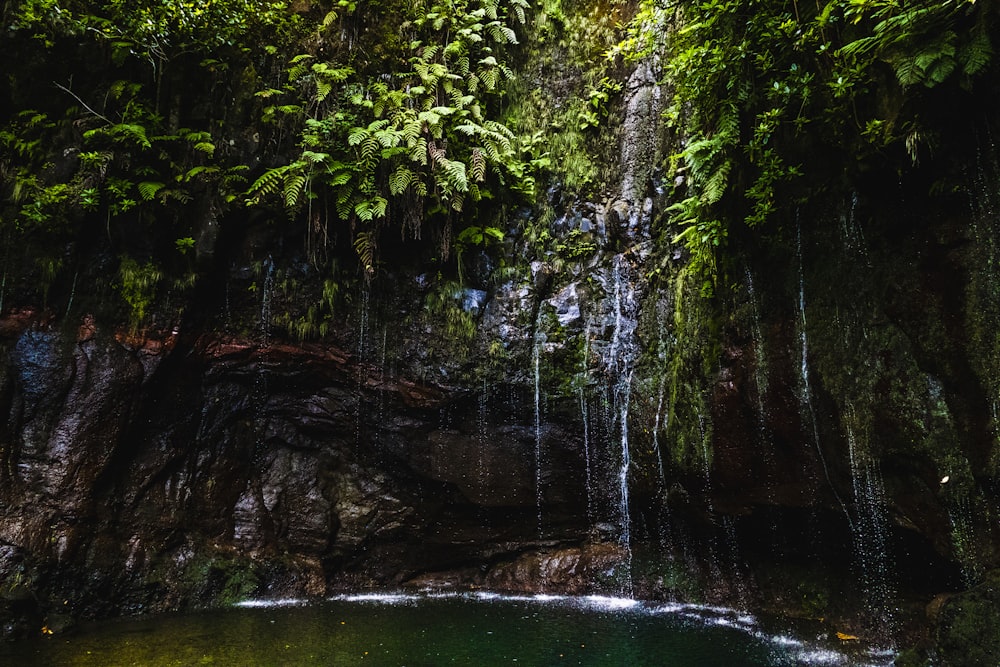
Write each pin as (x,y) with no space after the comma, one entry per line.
(968,632)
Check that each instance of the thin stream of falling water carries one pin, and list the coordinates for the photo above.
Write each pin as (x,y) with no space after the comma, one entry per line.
(657,422)
(625,539)
(963,541)
(712,544)
(872,524)
(72,293)
(363,323)
(362,357)
(228,322)
(621,354)
(760,365)
(762,381)
(853,235)
(265,302)
(482,434)
(585,418)
(380,399)
(537,363)
(806,391)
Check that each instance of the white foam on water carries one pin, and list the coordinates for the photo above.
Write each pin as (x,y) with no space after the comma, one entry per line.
(266,604)
(381,598)
(609,603)
(804,652)
(781,640)
(440,595)
(821,657)
(486,596)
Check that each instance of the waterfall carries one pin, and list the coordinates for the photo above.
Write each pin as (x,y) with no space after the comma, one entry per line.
(626,462)
(621,354)
(762,381)
(72,294)
(657,423)
(853,236)
(267,293)
(804,377)
(482,430)
(363,321)
(363,353)
(963,541)
(870,529)
(585,419)
(536,359)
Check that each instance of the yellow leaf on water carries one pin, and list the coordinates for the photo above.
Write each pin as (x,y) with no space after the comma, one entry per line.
(846,638)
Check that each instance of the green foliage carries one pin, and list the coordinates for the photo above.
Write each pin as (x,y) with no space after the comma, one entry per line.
(417,143)
(184,244)
(475,236)
(443,308)
(156,31)
(596,106)
(137,285)
(761,88)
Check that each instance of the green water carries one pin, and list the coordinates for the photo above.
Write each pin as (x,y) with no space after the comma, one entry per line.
(429,631)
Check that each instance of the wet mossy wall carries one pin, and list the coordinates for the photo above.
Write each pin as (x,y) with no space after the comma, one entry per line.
(454,412)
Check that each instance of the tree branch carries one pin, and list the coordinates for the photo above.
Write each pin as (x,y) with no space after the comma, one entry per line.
(85,106)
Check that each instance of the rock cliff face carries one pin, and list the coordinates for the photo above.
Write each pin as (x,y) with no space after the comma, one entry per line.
(819,444)
(819,439)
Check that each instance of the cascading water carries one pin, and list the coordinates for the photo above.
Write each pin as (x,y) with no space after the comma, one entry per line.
(622,397)
(804,377)
(536,360)
(762,381)
(621,354)
(853,235)
(364,354)
(267,294)
(585,420)
(363,333)
(658,423)
(871,528)
(72,294)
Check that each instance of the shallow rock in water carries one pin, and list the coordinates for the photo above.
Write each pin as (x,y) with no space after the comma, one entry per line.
(570,570)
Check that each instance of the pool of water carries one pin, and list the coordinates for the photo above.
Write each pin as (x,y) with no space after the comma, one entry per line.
(430,630)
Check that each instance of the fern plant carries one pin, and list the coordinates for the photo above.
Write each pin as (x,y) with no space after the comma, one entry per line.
(755,81)
(412,144)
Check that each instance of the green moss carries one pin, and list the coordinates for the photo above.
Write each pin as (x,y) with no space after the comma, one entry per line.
(562,355)
(219,578)
(690,365)
(968,631)
(137,285)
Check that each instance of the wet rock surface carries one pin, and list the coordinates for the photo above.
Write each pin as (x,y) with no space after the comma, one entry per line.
(243,470)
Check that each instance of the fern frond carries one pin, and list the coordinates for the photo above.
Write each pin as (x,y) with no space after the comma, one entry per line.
(364,245)
(148,189)
(715,186)
(977,54)
(357,135)
(455,174)
(267,184)
(478,165)
(400,180)
(314,158)
(292,191)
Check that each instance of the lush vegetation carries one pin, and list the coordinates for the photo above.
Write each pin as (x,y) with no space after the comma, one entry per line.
(139,126)
(766,93)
